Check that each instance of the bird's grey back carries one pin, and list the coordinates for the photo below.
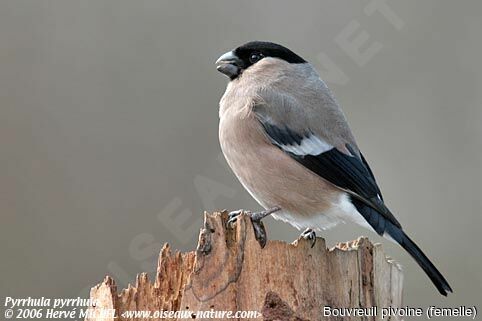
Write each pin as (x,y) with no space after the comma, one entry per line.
(290,94)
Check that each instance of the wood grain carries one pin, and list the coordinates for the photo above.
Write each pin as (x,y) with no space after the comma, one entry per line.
(230,271)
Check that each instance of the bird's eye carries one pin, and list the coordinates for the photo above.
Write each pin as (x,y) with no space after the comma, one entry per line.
(255,57)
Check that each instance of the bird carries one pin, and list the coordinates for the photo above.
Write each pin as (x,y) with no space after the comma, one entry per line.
(285,137)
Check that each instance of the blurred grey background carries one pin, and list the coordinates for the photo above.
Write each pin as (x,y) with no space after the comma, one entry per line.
(108,129)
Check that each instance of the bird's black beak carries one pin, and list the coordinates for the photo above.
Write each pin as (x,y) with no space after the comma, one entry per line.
(229,64)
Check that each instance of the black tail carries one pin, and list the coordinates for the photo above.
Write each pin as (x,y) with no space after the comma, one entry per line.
(437,278)
(383,225)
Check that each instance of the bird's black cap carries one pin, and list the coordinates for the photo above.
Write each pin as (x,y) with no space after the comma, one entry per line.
(267,49)
(234,62)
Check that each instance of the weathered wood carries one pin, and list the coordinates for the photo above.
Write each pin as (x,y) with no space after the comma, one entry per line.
(230,271)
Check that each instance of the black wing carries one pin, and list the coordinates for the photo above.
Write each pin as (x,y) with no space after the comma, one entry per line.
(348,172)
(351,173)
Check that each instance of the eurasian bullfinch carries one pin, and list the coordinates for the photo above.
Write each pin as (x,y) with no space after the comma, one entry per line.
(288,142)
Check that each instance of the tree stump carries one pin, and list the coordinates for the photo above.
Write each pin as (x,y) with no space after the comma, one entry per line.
(229,271)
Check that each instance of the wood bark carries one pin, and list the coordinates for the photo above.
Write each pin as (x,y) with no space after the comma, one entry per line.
(230,271)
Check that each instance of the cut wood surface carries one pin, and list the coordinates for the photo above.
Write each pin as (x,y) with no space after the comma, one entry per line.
(229,271)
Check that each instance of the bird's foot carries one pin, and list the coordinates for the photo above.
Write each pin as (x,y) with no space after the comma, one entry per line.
(309,235)
(258,226)
(233,217)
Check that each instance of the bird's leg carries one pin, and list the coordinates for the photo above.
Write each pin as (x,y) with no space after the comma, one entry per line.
(258,226)
(309,235)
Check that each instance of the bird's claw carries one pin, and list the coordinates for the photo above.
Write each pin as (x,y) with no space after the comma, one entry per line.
(258,226)
(233,217)
(259,232)
(309,235)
